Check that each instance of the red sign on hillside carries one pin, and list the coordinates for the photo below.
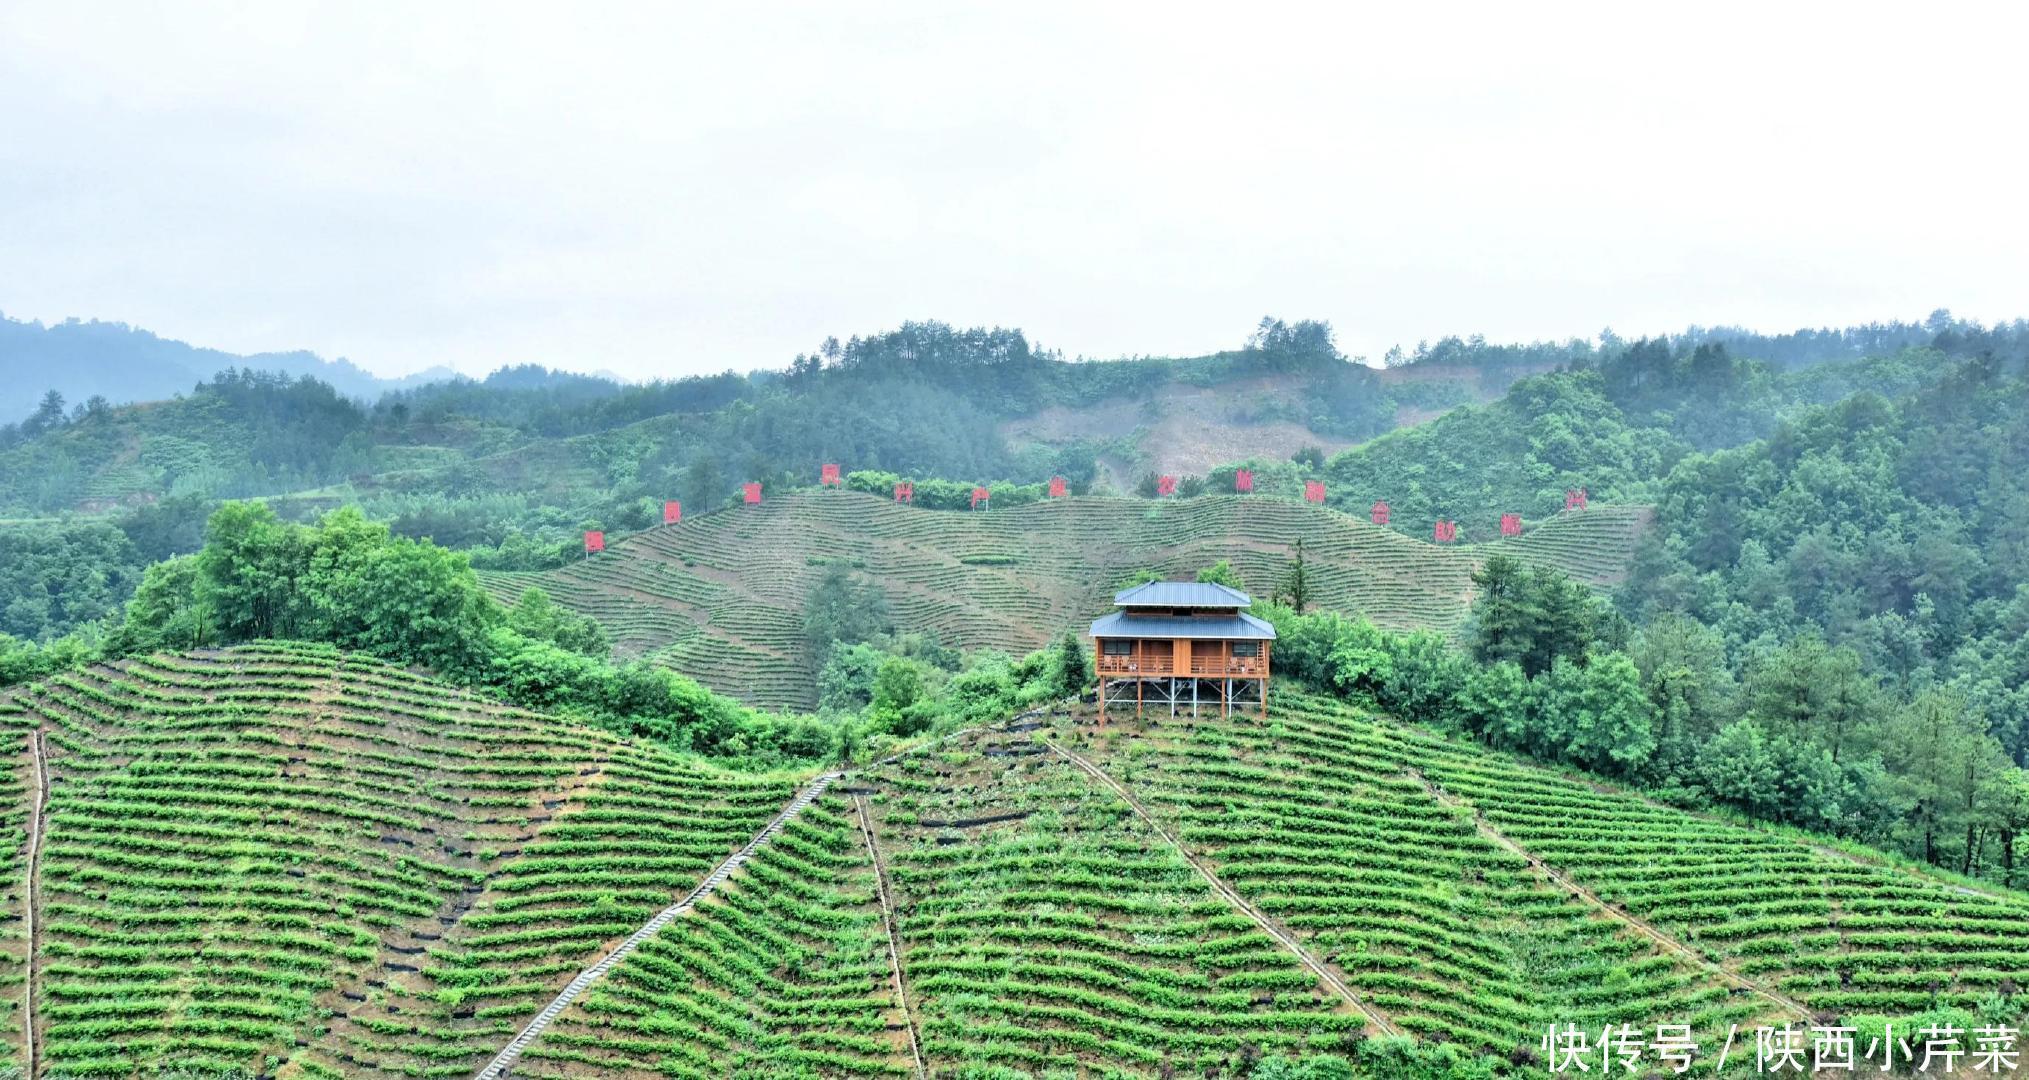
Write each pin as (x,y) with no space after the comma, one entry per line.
(1165,485)
(1574,499)
(980,496)
(1380,513)
(1243,480)
(595,541)
(1445,532)
(827,476)
(750,492)
(905,491)
(672,512)
(1057,487)
(1511,524)
(1313,491)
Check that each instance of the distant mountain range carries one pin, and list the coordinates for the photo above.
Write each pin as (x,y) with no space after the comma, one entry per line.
(126,364)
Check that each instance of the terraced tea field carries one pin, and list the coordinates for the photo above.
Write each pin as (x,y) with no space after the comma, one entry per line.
(290,862)
(296,863)
(1475,898)
(720,597)
(785,971)
(1171,897)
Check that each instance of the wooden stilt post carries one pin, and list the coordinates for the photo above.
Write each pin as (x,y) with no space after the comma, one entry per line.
(1099,667)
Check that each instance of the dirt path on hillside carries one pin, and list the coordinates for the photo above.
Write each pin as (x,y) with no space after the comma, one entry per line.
(1225,891)
(1639,925)
(504,1062)
(37,820)
(901,987)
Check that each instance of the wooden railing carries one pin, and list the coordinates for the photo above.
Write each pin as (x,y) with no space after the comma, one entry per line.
(1163,667)
(1222,666)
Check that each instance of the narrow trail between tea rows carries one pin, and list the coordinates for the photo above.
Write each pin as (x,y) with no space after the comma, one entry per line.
(1225,891)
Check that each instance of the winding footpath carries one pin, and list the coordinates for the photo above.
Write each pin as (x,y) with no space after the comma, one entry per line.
(503,1061)
(1225,891)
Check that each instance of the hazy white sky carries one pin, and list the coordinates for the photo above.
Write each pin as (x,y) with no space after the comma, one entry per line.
(675,190)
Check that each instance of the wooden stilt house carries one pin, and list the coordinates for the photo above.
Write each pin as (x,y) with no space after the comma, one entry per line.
(1177,644)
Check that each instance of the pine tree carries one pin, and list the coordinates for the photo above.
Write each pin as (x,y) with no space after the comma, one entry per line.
(1296,585)
(1502,612)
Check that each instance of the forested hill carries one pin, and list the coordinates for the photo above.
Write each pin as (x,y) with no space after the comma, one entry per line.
(115,364)
(1824,628)
(1615,426)
(926,400)
(513,467)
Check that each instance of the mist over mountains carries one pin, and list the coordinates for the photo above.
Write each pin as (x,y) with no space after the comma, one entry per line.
(122,363)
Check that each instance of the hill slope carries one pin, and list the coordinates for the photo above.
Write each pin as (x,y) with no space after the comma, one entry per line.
(721,597)
(240,842)
(301,864)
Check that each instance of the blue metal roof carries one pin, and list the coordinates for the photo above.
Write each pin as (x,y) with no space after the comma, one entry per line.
(1200,594)
(1238,626)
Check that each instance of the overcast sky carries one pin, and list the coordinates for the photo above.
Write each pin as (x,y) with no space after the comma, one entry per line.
(673,191)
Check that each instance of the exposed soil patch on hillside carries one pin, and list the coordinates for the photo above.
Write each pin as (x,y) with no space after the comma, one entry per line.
(1187,430)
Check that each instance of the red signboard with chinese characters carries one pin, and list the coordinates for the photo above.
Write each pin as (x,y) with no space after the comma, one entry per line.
(1511,524)
(828,476)
(751,492)
(1057,487)
(1574,499)
(905,491)
(979,497)
(1313,491)
(1445,532)
(1380,512)
(672,512)
(1243,480)
(595,541)
(1165,485)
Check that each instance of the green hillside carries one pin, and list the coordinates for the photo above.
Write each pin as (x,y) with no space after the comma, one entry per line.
(1057,921)
(721,597)
(295,862)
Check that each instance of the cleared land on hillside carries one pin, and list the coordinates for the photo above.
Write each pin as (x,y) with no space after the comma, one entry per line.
(721,597)
(303,864)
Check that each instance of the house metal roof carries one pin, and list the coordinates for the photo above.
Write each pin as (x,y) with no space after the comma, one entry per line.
(1200,594)
(1238,626)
